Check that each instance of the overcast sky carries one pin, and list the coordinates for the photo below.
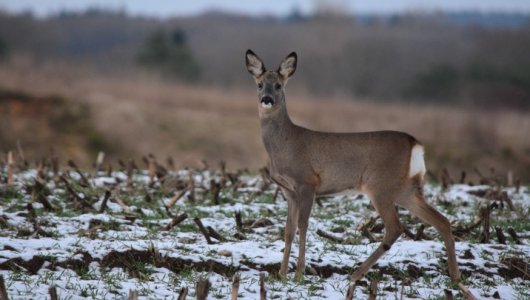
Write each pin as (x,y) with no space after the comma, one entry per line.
(165,8)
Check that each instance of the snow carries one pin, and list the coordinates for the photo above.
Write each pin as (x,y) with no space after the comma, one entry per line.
(263,246)
(104,181)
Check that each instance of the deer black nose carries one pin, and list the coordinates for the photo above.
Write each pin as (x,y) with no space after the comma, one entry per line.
(267,100)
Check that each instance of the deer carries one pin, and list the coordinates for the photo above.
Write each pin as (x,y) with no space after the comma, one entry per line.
(387,166)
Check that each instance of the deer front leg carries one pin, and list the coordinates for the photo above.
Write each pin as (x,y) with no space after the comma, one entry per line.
(290,229)
(306,196)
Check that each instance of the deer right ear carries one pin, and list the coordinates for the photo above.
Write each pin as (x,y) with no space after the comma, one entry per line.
(288,66)
(254,64)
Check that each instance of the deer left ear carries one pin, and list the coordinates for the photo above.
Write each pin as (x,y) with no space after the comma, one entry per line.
(288,66)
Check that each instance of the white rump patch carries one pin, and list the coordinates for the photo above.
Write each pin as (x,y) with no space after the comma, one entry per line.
(417,162)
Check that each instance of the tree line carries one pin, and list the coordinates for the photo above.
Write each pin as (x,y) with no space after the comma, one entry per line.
(407,57)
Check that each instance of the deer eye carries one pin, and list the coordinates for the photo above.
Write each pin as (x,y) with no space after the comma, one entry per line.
(278,86)
(260,85)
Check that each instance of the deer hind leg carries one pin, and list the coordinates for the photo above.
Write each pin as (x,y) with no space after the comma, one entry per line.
(384,206)
(306,196)
(290,229)
(417,206)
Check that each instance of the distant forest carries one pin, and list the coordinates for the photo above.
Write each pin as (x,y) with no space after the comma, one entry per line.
(463,58)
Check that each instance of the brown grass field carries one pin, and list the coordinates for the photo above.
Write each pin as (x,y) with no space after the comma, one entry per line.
(136,113)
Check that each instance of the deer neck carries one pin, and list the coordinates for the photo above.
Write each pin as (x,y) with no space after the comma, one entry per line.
(276,131)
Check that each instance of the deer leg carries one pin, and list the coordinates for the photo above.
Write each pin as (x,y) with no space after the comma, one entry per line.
(306,196)
(393,230)
(290,229)
(418,207)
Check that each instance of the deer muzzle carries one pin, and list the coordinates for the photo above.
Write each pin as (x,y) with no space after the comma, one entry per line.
(267,102)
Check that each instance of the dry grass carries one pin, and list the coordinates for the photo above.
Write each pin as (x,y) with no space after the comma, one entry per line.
(140,114)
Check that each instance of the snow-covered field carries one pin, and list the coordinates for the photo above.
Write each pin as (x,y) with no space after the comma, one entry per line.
(86,254)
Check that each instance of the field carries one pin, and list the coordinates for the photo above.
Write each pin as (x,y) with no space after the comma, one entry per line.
(101,235)
(130,115)
(112,124)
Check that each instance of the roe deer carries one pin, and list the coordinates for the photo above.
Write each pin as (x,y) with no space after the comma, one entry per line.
(388,166)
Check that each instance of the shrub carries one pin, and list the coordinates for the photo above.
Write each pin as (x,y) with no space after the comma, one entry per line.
(168,52)
(3,50)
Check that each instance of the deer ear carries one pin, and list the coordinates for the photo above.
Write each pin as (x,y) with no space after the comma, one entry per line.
(288,66)
(254,64)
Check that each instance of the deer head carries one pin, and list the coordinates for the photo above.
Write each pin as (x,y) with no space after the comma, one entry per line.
(271,93)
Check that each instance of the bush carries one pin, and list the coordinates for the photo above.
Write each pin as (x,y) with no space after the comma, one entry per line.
(505,85)
(438,82)
(3,50)
(169,54)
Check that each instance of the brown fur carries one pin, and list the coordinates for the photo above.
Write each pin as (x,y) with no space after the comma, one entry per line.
(307,163)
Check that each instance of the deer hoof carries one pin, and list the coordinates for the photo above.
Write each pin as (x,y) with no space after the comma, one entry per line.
(299,276)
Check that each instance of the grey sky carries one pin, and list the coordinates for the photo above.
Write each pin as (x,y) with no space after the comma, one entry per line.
(165,8)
